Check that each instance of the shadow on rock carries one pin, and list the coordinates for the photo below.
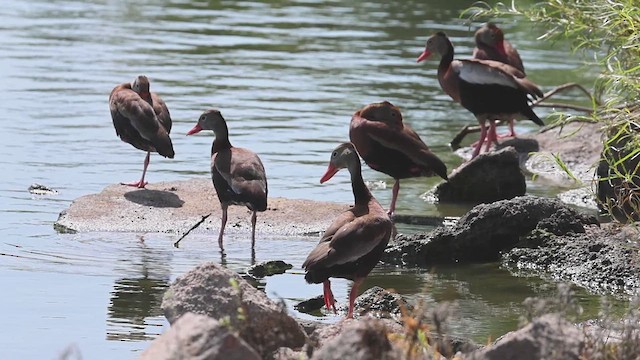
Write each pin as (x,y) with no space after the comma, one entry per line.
(154,198)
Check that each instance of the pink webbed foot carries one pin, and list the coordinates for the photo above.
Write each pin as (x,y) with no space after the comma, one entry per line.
(138,184)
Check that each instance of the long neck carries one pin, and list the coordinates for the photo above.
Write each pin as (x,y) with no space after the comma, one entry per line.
(361,193)
(222,138)
(447,58)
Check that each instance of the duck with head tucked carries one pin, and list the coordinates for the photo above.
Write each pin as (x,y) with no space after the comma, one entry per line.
(141,119)
(388,145)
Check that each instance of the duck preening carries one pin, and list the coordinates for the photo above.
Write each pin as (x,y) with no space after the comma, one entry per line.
(238,174)
(141,119)
(387,145)
(489,89)
(353,244)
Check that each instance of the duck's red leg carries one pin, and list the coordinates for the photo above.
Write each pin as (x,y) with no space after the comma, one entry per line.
(329,300)
(352,296)
(394,197)
(141,184)
(483,134)
(492,136)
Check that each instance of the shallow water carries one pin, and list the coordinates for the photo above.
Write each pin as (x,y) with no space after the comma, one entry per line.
(287,75)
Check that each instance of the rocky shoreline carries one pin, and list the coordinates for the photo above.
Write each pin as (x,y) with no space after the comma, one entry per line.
(215,314)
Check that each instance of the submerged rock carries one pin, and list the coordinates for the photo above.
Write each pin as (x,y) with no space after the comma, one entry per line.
(195,336)
(488,177)
(310,305)
(269,268)
(547,337)
(39,189)
(217,292)
(484,232)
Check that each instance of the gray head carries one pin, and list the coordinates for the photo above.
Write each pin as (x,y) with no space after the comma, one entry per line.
(140,85)
(344,156)
(210,120)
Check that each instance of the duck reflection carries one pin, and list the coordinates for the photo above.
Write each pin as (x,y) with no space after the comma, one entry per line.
(134,311)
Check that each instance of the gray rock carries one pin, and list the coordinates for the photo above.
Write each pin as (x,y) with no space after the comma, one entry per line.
(488,177)
(326,333)
(483,233)
(603,260)
(269,268)
(194,337)
(208,290)
(289,354)
(364,339)
(547,337)
(380,303)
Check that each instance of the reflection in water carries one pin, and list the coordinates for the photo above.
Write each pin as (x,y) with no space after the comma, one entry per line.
(137,295)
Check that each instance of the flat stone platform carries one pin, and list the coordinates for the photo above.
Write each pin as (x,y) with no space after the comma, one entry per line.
(176,206)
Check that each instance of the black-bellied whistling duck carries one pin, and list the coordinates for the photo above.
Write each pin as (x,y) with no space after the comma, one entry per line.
(141,119)
(388,145)
(353,244)
(238,174)
(489,89)
(491,45)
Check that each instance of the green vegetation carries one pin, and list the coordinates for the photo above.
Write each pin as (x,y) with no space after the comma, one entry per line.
(608,33)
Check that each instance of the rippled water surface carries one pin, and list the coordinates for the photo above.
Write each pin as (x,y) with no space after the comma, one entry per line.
(287,75)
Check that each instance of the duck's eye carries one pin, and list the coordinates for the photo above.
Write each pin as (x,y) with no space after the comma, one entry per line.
(335,153)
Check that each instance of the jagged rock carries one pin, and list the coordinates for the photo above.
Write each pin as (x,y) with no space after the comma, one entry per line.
(208,290)
(488,177)
(195,336)
(269,268)
(483,233)
(324,334)
(547,337)
(364,339)
(602,260)
(380,303)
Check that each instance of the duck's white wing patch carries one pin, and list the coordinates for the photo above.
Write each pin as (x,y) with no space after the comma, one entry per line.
(475,72)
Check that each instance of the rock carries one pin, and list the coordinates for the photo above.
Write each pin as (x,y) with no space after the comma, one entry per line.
(603,260)
(488,177)
(174,207)
(380,303)
(618,178)
(583,197)
(547,337)
(310,305)
(483,233)
(359,340)
(324,334)
(195,336)
(289,354)
(208,290)
(269,268)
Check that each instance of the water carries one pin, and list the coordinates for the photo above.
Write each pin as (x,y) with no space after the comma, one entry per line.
(287,75)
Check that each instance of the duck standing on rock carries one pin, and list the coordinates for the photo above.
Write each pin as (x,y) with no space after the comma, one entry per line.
(141,119)
(491,45)
(489,89)
(387,145)
(353,244)
(238,174)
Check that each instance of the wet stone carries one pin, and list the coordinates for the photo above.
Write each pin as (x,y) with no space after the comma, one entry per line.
(269,268)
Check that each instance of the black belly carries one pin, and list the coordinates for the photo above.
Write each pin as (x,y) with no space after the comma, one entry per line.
(493,99)
(392,162)
(357,269)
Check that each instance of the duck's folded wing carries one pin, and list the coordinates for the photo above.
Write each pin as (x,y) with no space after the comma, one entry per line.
(351,242)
